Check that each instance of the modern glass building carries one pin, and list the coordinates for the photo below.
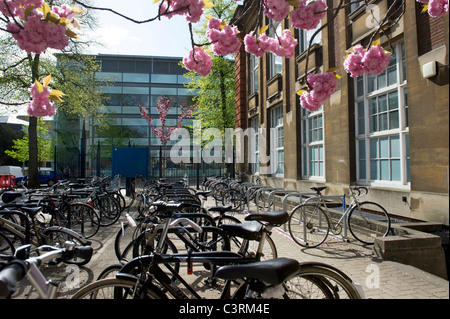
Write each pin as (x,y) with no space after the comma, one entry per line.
(134,81)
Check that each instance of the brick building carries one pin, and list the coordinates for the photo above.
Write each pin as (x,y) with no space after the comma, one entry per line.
(389,131)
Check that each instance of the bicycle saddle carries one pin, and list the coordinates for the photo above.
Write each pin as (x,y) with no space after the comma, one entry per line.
(274,271)
(272,217)
(220,209)
(31,211)
(318,189)
(204,194)
(249,230)
(8,197)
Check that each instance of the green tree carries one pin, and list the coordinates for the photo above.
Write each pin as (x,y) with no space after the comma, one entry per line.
(215,92)
(20,149)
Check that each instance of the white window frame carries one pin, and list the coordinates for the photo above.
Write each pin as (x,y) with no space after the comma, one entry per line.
(365,138)
(254,73)
(277,140)
(274,60)
(313,138)
(254,146)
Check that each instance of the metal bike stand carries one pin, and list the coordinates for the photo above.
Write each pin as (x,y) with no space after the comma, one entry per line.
(248,193)
(296,194)
(259,191)
(279,192)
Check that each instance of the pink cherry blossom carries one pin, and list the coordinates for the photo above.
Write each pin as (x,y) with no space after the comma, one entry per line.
(18,7)
(353,62)
(284,46)
(308,16)
(224,41)
(40,104)
(322,85)
(376,60)
(308,102)
(200,63)
(191,9)
(276,10)
(257,46)
(437,8)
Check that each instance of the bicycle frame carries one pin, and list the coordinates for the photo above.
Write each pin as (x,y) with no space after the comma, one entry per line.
(24,232)
(320,201)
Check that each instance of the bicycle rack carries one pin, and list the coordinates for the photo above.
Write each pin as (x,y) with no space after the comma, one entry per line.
(273,193)
(249,191)
(259,191)
(296,194)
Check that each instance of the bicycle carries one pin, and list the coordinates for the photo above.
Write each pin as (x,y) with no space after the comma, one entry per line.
(80,217)
(22,264)
(310,222)
(143,277)
(35,230)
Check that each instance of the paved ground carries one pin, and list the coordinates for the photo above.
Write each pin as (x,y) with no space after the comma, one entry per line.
(380,279)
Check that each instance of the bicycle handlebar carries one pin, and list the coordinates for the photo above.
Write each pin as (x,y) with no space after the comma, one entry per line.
(15,270)
(359,188)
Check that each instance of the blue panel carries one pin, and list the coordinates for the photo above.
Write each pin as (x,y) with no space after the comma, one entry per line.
(130,161)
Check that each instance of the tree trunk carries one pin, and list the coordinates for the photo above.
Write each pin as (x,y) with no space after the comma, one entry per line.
(33,176)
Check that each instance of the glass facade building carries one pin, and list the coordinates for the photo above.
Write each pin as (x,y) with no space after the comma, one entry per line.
(134,81)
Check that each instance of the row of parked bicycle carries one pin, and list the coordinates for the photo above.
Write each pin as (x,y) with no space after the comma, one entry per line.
(167,225)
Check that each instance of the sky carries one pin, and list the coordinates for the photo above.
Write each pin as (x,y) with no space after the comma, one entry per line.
(165,37)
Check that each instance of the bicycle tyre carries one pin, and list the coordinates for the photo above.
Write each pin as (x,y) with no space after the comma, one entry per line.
(325,278)
(118,288)
(269,249)
(109,209)
(308,225)
(367,221)
(83,219)
(234,198)
(7,248)
(57,236)
(110,271)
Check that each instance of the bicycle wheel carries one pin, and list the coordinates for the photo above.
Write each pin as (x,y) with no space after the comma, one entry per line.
(234,198)
(58,236)
(320,281)
(118,289)
(6,247)
(269,250)
(367,221)
(211,239)
(109,209)
(308,225)
(83,219)
(110,271)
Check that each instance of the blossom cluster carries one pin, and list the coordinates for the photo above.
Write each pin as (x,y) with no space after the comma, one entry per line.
(322,85)
(224,41)
(199,61)
(40,104)
(436,8)
(191,9)
(308,15)
(373,61)
(36,33)
(276,10)
(282,46)
(16,8)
